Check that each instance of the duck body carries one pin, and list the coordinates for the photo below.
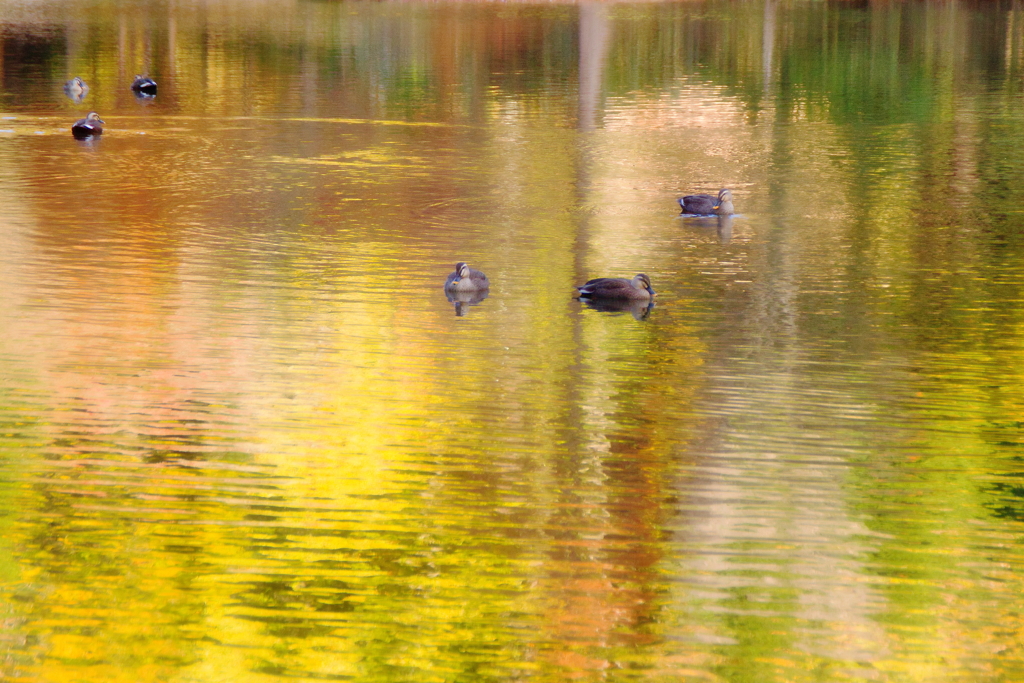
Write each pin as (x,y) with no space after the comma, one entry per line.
(144,85)
(87,127)
(76,89)
(466,279)
(619,288)
(706,205)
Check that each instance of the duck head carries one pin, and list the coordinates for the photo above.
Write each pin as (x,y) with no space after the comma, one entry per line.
(724,205)
(461,271)
(641,281)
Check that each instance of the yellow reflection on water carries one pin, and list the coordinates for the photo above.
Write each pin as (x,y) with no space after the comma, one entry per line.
(245,433)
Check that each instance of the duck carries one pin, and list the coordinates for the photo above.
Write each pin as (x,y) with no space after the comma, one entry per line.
(637,289)
(92,124)
(706,205)
(144,85)
(466,279)
(76,89)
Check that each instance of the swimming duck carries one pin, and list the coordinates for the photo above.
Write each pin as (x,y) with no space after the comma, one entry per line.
(466,279)
(706,205)
(90,125)
(76,89)
(144,85)
(637,289)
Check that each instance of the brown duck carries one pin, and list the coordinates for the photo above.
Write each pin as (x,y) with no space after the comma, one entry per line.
(92,124)
(706,205)
(637,289)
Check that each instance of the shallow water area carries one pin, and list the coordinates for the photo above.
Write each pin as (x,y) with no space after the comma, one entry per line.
(246,434)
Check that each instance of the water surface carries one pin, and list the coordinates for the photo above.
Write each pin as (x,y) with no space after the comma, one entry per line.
(245,435)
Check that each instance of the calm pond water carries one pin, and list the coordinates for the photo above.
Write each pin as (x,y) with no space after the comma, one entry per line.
(246,437)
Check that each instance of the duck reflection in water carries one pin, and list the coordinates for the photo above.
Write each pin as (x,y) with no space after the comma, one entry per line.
(722,226)
(76,89)
(640,310)
(725,229)
(144,86)
(464,300)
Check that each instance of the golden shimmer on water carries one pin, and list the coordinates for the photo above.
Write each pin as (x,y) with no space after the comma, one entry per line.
(246,436)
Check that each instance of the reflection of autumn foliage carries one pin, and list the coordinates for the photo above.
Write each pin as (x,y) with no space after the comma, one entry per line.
(250,435)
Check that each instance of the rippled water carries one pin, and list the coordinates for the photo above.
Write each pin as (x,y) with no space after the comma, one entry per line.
(246,436)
